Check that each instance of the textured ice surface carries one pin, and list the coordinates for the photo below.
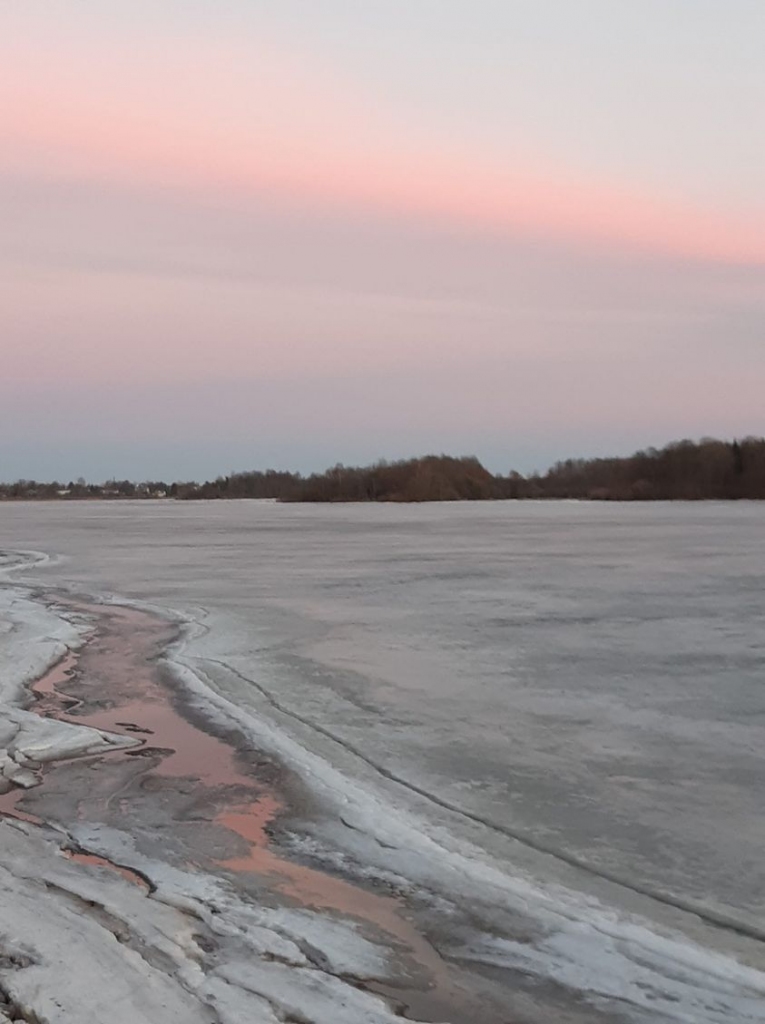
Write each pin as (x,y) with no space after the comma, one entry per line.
(82,944)
(579,942)
(467,686)
(65,960)
(31,638)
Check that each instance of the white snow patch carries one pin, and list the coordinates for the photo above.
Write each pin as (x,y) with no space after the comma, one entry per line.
(32,638)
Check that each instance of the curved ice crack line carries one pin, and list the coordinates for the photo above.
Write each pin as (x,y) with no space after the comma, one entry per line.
(25,560)
(707,915)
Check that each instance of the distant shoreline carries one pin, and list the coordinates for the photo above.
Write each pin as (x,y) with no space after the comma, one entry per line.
(681,471)
(99,499)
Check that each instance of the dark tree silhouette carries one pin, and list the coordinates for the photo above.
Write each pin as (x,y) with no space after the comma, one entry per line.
(684,470)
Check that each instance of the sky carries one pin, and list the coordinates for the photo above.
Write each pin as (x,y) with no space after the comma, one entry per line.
(246,233)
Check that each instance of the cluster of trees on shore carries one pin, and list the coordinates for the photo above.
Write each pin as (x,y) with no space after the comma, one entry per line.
(432,478)
(683,470)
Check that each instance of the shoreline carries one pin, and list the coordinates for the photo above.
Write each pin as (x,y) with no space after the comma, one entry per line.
(220,803)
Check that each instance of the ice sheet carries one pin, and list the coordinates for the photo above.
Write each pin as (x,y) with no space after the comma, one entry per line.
(585,678)
(571,939)
(80,942)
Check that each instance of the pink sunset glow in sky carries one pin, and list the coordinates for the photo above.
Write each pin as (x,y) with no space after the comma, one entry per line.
(290,233)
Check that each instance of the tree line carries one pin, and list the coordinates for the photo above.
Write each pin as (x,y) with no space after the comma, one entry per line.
(682,470)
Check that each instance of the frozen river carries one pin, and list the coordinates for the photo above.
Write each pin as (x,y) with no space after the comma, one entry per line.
(569,694)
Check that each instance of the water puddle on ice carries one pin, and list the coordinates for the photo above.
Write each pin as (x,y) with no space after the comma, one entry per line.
(101,862)
(112,684)
(9,808)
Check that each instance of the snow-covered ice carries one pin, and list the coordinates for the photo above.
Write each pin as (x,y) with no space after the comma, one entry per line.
(544,719)
(82,943)
(32,638)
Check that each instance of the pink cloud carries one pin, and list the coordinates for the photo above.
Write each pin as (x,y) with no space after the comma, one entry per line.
(232,121)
